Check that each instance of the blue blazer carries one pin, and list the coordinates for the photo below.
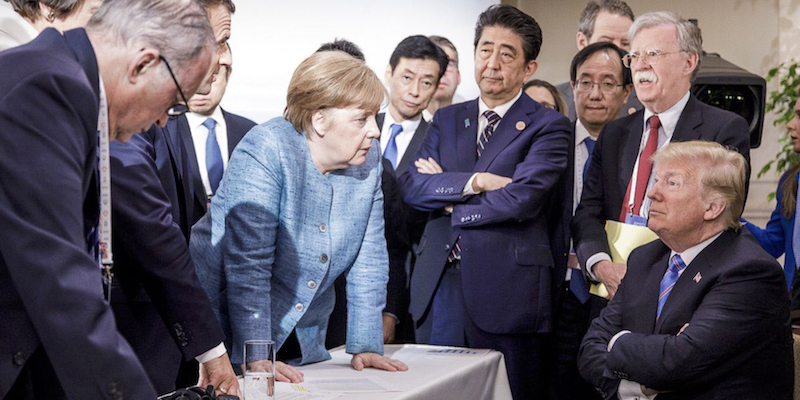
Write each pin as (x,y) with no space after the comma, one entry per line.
(776,238)
(279,233)
(738,344)
(507,261)
(50,286)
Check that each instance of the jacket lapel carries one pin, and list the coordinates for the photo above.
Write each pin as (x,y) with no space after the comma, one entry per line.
(631,139)
(466,128)
(506,130)
(413,147)
(690,119)
(181,127)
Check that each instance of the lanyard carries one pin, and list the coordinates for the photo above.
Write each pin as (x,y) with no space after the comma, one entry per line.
(106,257)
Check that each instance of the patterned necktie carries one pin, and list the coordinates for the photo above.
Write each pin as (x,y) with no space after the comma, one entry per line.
(668,281)
(493,119)
(213,155)
(391,147)
(643,173)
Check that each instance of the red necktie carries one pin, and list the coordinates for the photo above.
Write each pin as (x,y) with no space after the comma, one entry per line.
(643,173)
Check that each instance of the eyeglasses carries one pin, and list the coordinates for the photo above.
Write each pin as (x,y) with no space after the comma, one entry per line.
(177,109)
(452,64)
(649,57)
(607,87)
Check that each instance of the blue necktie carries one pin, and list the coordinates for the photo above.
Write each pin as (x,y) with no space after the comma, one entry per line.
(796,231)
(213,156)
(577,282)
(391,147)
(668,281)
(493,119)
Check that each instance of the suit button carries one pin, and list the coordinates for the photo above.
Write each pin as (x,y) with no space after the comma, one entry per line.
(312,285)
(19,359)
(323,258)
(112,388)
(298,307)
(323,228)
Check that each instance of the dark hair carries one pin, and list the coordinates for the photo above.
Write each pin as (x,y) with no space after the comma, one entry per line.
(30,9)
(443,42)
(343,45)
(206,4)
(589,50)
(419,47)
(561,104)
(589,14)
(518,22)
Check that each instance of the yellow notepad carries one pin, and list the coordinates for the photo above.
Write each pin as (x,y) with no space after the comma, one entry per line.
(622,239)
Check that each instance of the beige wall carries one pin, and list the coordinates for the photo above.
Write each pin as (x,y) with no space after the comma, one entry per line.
(753,34)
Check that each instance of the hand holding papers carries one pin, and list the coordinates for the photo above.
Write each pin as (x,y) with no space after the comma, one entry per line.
(622,239)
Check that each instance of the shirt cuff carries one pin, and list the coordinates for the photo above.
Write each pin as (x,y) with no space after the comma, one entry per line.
(396,320)
(212,354)
(594,260)
(467,191)
(632,390)
(615,337)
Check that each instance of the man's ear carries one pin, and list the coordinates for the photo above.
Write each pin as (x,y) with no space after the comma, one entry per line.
(388,74)
(714,208)
(144,61)
(581,41)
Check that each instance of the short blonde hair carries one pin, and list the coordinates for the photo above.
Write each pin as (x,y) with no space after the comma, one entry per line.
(719,170)
(330,79)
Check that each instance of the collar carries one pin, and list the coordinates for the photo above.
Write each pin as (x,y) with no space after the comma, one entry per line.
(196,120)
(581,133)
(501,110)
(691,253)
(668,118)
(409,125)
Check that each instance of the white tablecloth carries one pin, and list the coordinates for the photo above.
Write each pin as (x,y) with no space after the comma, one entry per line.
(431,374)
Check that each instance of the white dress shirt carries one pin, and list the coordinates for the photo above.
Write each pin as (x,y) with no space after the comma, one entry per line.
(199,136)
(403,139)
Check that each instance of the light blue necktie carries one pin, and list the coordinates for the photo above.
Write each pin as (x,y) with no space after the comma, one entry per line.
(391,147)
(796,230)
(668,281)
(213,156)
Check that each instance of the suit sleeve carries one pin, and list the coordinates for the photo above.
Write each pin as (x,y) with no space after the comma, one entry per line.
(366,281)
(588,224)
(155,252)
(772,237)
(531,184)
(48,126)
(433,192)
(737,318)
(398,245)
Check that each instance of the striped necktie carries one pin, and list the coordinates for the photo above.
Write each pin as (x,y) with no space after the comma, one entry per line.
(676,265)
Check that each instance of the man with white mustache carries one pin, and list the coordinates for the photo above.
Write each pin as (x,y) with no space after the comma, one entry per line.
(664,59)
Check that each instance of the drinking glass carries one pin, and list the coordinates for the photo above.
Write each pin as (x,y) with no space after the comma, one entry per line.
(259,374)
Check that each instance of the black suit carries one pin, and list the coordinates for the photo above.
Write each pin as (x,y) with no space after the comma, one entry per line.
(57,330)
(236,126)
(403,226)
(160,307)
(614,157)
(738,344)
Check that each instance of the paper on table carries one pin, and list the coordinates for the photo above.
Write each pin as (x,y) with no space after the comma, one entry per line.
(367,384)
(293,391)
(622,239)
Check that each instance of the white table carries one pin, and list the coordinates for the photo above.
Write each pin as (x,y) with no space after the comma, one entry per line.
(434,372)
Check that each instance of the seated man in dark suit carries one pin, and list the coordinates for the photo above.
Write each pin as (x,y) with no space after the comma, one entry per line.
(702,312)
(58,96)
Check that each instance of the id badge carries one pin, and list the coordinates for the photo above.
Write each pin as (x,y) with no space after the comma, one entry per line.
(637,220)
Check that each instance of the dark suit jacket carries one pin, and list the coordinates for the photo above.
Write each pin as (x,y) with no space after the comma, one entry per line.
(237,127)
(50,287)
(738,344)
(507,262)
(614,157)
(160,306)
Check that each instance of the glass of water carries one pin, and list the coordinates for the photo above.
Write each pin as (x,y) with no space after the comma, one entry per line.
(259,373)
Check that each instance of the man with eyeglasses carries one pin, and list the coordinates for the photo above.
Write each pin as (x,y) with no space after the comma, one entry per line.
(664,58)
(59,96)
(446,91)
(160,307)
(603,21)
(601,86)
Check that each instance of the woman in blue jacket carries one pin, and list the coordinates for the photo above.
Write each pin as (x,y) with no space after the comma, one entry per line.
(777,237)
(300,204)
